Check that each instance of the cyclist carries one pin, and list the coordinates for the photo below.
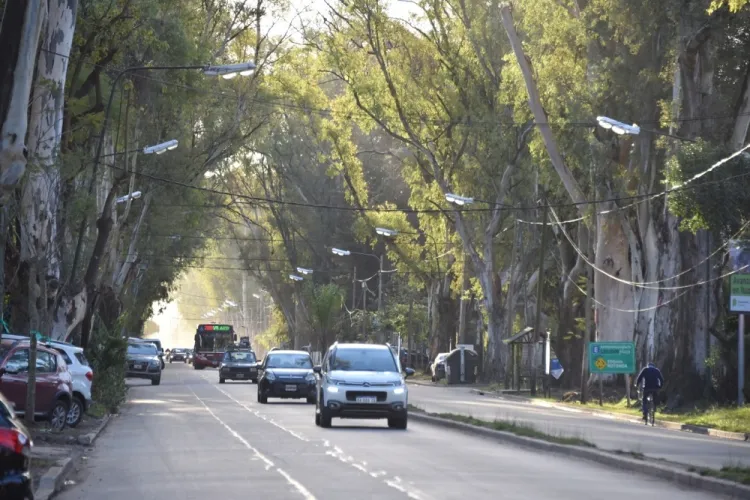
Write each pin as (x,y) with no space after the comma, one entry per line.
(652,381)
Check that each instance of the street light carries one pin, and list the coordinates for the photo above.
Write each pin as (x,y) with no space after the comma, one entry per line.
(295,277)
(340,252)
(256,295)
(229,71)
(617,126)
(390,233)
(161,148)
(458,200)
(304,270)
(132,196)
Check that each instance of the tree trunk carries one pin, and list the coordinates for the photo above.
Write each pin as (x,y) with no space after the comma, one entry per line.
(19,39)
(41,197)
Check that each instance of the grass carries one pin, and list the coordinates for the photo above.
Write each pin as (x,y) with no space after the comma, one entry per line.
(737,474)
(501,425)
(97,410)
(725,419)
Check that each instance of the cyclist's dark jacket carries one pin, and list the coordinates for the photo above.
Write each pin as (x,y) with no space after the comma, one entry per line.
(652,377)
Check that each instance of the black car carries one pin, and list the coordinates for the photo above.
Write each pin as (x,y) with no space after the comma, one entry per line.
(15,456)
(178,354)
(238,364)
(143,362)
(286,374)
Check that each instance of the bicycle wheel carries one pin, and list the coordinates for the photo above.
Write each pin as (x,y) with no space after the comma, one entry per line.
(651,411)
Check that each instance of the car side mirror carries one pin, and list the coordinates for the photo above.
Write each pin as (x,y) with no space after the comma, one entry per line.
(409,372)
(234,337)
(317,369)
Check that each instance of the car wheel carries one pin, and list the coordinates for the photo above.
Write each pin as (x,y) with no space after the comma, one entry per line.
(325,417)
(317,417)
(75,413)
(221,380)
(262,398)
(398,423)
(156,381)
(58,417)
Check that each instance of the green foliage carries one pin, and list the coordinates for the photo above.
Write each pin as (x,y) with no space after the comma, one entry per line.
(107,356)
(722,203)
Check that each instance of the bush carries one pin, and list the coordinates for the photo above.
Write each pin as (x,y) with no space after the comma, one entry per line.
(107,355)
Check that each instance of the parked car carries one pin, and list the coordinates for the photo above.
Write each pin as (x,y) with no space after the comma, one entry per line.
(178,354)
(238,364)
(361,381)
(143,362)
(53,382)
(83,377)
(15,455)
(286,374)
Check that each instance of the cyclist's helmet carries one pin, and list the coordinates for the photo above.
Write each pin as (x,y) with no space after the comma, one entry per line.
(651,364)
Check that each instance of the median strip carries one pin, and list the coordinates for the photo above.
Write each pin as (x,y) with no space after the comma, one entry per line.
(727,481)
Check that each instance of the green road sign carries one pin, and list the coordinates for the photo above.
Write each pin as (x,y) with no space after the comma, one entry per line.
(739,293)
(612,357)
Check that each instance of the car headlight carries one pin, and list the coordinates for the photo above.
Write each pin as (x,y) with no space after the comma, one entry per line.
(155,362)
(398,391)
(310,377)
(270,376)
(332,388)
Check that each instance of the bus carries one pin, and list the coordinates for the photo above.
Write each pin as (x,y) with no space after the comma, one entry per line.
(211,341)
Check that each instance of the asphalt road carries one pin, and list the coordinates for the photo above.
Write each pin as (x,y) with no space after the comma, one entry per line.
(606,433)
(191,438)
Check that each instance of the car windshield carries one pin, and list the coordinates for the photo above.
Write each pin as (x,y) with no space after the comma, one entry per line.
(147,349)
(178,351)
(282,360)
(82,359)
(364,360)
(246,357)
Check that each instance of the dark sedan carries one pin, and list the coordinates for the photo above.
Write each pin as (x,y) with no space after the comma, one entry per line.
(178,354)
(15,455)
(238,365)
(287,375)
(143,362)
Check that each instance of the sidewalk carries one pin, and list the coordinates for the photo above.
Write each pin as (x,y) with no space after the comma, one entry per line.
(605,430)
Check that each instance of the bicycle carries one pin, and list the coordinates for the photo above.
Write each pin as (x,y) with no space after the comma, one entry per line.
(651,409)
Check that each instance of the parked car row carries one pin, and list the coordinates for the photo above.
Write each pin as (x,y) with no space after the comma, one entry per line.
(63,379)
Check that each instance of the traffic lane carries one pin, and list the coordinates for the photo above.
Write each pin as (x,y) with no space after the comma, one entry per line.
(606,433)
(165,443)
(311,462)
(435,463)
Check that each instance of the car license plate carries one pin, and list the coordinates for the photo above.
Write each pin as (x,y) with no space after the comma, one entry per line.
(367,399)
(291,388)
(138,367)
(240,375)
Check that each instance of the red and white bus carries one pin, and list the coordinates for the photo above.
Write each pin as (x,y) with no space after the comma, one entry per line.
(211,341)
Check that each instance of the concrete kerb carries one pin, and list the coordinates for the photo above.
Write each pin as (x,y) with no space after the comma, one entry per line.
(697,429)
(52,480)
(88,439)
(682,477)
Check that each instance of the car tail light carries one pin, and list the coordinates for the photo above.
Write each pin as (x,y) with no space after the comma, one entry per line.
(90,375)
(14,440)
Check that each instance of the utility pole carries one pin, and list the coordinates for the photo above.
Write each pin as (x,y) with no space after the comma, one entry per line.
(511,381)
(364,311)
(354,288)
(587,332)
(539,289)
(741,361)
(707,333)
(245,318)
(380,284)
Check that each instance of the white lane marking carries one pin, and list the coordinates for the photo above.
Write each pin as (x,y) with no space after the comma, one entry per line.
(269,464)
(263,417)
(336,452)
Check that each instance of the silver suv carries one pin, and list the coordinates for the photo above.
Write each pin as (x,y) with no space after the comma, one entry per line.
(361,381)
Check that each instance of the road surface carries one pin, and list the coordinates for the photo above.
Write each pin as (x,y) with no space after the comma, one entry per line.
(606,433)
(191,438)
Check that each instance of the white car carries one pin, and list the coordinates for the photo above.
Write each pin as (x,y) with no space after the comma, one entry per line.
(361,381)
(82,375)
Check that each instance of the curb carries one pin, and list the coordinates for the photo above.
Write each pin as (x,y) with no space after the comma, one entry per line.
(676,426)
(53,479)
(682,477)
(88,439)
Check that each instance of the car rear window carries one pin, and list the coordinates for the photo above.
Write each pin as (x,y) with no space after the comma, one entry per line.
(82,359)
(64,356)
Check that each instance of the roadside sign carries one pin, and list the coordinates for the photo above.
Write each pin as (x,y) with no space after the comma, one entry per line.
(612,357)
(556,369)
(739,294)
